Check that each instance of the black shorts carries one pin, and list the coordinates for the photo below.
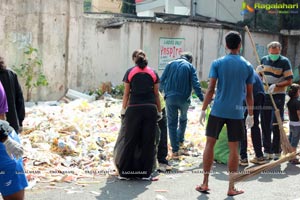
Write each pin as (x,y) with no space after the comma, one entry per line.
(235,128)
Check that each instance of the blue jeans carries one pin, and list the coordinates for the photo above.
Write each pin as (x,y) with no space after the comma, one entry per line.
(176,133)
(294,135)
(267,120)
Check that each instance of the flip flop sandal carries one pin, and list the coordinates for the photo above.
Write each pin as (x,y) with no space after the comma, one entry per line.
(203,189)
(234,192)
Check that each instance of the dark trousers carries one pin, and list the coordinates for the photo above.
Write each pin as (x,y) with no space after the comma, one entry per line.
(267,119)
(255,130)
(162,150)
(139,141)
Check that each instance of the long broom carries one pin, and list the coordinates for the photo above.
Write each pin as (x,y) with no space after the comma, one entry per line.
(288,153)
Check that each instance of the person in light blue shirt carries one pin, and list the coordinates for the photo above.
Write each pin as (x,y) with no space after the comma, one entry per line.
(233,76)
(177,82)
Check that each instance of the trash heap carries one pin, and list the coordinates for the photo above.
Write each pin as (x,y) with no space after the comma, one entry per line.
(67,141)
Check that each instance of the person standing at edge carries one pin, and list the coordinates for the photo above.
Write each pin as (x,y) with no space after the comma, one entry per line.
(14,94)
(278,73)
(12,177)
(233,75)
(177,81)
(294,115)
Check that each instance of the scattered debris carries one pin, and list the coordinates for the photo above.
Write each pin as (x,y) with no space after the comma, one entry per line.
(68,142)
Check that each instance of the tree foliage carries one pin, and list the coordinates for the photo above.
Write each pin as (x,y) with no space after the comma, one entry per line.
(273,20)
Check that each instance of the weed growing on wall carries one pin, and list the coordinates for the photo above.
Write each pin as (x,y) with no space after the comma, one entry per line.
(31,71)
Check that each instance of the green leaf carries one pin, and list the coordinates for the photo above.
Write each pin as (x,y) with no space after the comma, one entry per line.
(30,70)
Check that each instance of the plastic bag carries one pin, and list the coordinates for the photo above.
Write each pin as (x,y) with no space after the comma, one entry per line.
(221,149)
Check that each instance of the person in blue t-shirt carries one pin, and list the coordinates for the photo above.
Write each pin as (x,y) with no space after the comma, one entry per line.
(233,76)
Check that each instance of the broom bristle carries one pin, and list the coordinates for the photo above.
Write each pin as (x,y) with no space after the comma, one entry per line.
(287,150)
(258,169)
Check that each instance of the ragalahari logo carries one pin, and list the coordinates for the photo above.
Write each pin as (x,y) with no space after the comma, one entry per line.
(246,8)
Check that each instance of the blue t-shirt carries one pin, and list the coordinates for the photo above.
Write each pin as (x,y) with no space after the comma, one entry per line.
(232,72)
(258,86)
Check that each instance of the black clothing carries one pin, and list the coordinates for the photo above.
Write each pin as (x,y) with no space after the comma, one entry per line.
(15,100)
(141,85)
(293,105)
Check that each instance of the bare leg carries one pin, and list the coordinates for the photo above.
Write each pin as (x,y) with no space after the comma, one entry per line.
(16,196)
(233,165)
(208,158)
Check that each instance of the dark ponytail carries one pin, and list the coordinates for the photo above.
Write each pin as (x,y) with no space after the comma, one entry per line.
(2,64)
(141,60)
(293,90)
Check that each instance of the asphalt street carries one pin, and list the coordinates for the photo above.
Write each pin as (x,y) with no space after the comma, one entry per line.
(282,182)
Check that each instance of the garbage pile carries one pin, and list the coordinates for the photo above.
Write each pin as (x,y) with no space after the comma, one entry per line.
(65,142)
(68,141)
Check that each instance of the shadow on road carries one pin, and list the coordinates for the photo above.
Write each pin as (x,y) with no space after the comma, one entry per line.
(122,189)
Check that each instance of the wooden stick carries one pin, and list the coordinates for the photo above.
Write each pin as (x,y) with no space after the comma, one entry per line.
(286,146)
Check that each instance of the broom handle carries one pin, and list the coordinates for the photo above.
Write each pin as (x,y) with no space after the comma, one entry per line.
(253,45)
(286,146)
(263,74)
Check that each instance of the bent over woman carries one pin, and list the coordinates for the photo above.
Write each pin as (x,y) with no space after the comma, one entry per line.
(141,109)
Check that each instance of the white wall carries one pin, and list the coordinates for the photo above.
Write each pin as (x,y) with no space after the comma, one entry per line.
(148,8)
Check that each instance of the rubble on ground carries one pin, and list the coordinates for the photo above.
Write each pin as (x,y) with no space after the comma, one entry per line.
(69,142)
(66,142)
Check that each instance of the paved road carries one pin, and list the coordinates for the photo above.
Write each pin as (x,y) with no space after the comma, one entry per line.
(282,182)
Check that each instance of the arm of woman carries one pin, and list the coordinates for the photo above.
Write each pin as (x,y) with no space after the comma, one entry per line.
(126,95)
(156,93)
(298,114)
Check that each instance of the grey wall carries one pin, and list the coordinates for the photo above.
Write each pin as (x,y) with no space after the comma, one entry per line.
(80,52)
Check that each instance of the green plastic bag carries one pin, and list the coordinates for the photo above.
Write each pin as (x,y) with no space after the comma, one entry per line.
(221,149)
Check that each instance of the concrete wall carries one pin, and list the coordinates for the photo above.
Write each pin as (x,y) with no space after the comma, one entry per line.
(261,40)
(82,51)
(44,24)
(223,10)
(107,52)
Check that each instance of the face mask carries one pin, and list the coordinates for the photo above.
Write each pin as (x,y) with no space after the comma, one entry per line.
(274,57)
